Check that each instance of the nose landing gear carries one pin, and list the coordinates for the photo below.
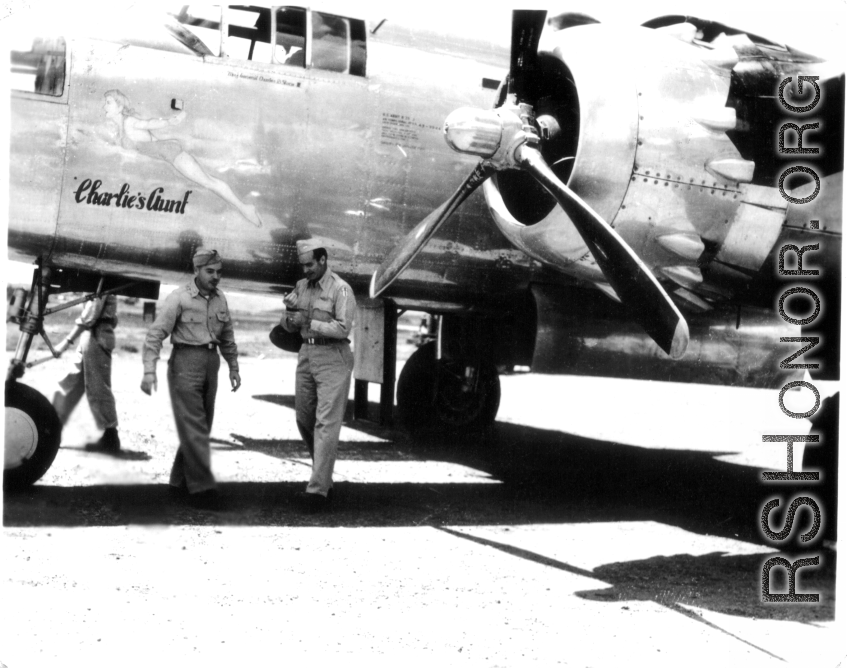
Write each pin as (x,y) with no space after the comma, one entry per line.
(32,436)
(33,431)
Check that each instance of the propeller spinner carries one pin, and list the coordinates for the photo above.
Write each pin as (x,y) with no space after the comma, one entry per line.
(507,138)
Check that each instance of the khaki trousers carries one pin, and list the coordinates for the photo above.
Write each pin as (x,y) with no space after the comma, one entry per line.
(92,376)
(193,384)
(322,384)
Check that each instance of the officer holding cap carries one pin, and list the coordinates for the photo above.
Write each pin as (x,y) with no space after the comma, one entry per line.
(196,317)
(321,308)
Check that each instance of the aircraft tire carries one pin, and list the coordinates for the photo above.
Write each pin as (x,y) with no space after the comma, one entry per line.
(32,438)
(430,397)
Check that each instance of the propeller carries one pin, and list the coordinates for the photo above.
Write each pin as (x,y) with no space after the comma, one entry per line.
(526,32)
(400,257)
(645,300)
(507,138)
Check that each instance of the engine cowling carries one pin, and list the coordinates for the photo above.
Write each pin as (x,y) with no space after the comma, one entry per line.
(644,142)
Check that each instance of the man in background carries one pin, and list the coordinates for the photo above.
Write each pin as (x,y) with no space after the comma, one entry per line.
(92,374)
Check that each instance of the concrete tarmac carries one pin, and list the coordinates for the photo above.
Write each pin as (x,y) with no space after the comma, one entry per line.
(601,523)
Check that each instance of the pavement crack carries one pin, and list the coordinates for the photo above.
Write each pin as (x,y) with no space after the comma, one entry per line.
(676,607)
(523,554)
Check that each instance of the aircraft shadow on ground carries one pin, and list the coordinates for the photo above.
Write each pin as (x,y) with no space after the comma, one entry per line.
(584,479)
(534,476)
(545,477)
(715,581)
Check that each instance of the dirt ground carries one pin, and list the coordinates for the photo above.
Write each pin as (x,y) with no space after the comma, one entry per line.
(672,529)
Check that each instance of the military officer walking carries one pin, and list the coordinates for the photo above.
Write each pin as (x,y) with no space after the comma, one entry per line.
(92,374)
(196,317)
(321,308)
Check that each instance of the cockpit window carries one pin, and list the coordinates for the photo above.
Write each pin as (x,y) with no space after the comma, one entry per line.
(248,33)
(338,44)
(291,36)
(39,66)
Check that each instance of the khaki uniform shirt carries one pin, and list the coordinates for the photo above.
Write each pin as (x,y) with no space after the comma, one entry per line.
(331,294)
(193,320)
(100,317)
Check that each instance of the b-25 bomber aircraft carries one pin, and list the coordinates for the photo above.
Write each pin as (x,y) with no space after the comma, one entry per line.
(628,219)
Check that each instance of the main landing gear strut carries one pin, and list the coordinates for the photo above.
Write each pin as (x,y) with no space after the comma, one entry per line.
(447,396)
(448,386)
(33,430)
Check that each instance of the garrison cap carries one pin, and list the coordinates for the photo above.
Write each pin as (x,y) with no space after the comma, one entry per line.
(306,245)
(290,341)
(203,257)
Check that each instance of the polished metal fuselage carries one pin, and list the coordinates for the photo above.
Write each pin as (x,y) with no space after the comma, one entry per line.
(358,161)
(355,161)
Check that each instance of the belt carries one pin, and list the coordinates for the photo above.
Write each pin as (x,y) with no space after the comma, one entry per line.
(324,342)
(208,346)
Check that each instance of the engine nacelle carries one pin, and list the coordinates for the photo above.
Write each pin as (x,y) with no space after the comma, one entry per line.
(649,152)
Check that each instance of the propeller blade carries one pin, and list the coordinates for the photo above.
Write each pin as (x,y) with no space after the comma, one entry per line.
(642,295)
(405,252)
(527,25)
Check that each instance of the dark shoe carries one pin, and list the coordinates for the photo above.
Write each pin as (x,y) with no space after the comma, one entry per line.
(312,503)
(109,442)
(207,500)
(178,492)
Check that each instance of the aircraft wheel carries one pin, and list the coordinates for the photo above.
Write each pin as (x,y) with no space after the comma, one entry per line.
(33,435)
(434,396)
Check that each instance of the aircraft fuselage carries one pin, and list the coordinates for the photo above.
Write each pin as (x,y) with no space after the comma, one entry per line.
(142,153)
(354,160)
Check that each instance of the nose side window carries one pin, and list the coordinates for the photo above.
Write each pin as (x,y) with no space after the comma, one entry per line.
(38,66)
